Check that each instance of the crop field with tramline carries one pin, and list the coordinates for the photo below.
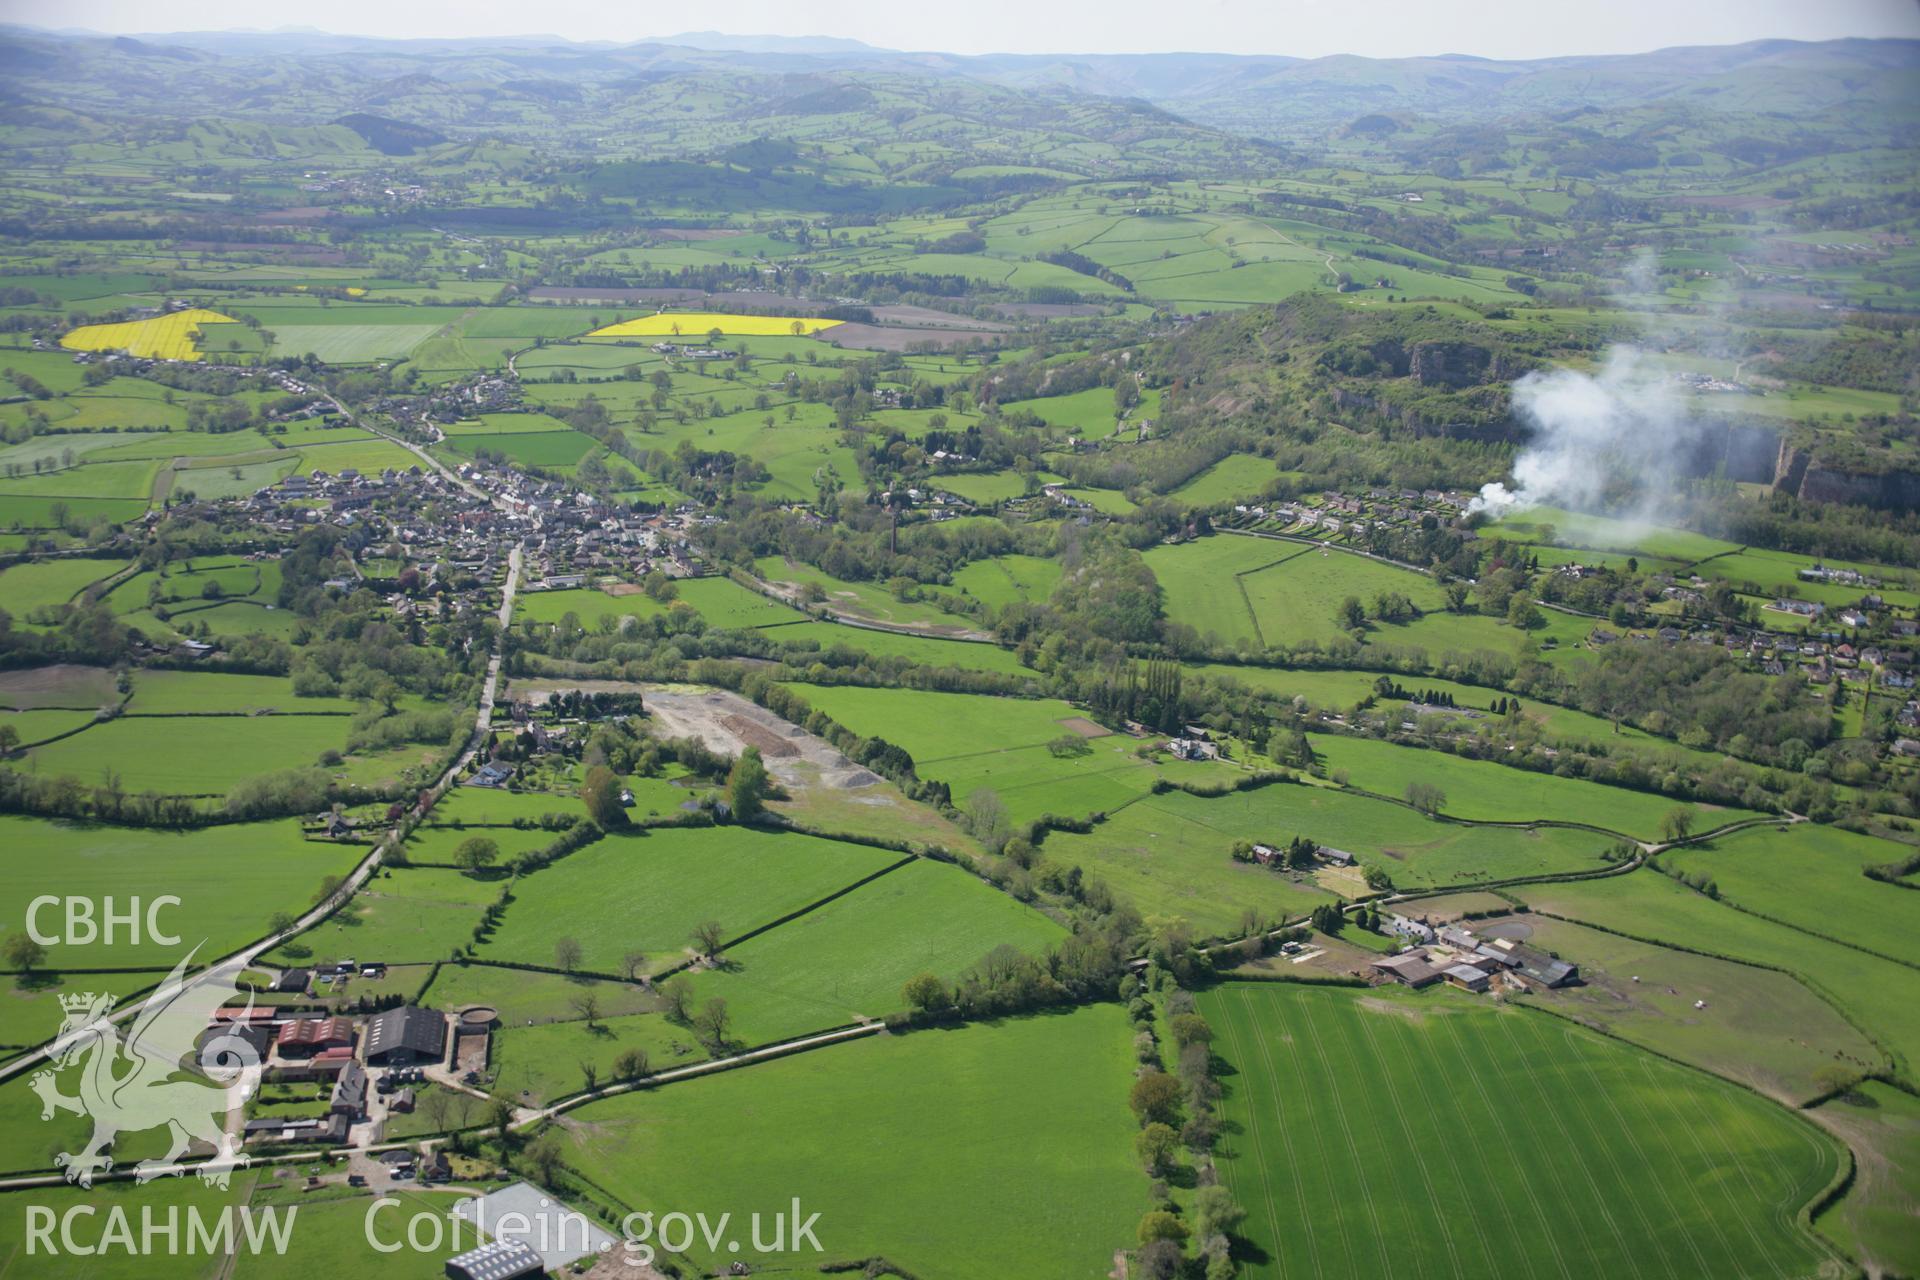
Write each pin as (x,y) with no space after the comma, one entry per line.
(1351,1144)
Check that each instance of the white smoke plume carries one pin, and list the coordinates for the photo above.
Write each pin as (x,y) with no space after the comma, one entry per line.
(1619,433)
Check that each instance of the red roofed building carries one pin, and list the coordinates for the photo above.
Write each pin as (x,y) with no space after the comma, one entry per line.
(304,1037)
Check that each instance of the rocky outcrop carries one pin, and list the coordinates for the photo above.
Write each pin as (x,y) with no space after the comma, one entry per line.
(1454,364)
(1797,472)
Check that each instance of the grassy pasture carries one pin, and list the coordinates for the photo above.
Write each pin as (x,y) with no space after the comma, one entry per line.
(1587,1158)
(1062,1137)
(724,603)
(1484,791)
(1295,600)
(1877,995)
(229,879)
(1238,477)
(40,583)
(1760,1027)
(1874,1221)
(849,959)
(191,755)
(1200,582)
(1003,580)
(406,915)
(208,692)
(1810,877)
(648,890)
(1170,854)
(1778,573)
(540,447)
(971,741)
(863,599)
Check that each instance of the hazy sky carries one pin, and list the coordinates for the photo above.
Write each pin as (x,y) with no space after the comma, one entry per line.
(1303,28)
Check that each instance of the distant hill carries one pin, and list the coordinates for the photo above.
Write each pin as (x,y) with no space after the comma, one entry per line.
(391,137)
(720,42)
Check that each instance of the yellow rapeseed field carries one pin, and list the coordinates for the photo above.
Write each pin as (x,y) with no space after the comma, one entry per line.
(695,325)
(167,337)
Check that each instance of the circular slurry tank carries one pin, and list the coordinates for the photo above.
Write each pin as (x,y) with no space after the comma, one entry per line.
(479,1015)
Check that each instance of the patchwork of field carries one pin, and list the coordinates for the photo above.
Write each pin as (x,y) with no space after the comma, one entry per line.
(1022,1112)
(647,890)
(847,961)
(975,742)
(1811,878)
(1170,855)
(1346,1148)
(173,336)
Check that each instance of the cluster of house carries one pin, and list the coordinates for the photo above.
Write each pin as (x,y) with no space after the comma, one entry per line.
(1346,513)
(1460,958)
(488,393)
(337,1051)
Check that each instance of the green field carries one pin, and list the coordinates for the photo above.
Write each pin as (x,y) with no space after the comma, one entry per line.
(1877,995)
(1586,1158)
(1004,579)
(1484,791)
(1170,854)
(647,890)
(1028,1111)
(976,742)
(1810,877)
(724,603)
(405,915)
(230,880)
(1874,1221)
(1759,1027)
(848,960)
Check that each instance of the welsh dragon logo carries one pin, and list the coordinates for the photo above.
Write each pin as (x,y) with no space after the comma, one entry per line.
(141,1081)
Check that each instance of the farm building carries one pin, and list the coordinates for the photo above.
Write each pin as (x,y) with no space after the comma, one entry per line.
(295,981)
(523,1213)
(304,1037)
(499,1260)
(349,1092)
(1537,966)
(403,1036)
(1411,969)
(1467,977)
